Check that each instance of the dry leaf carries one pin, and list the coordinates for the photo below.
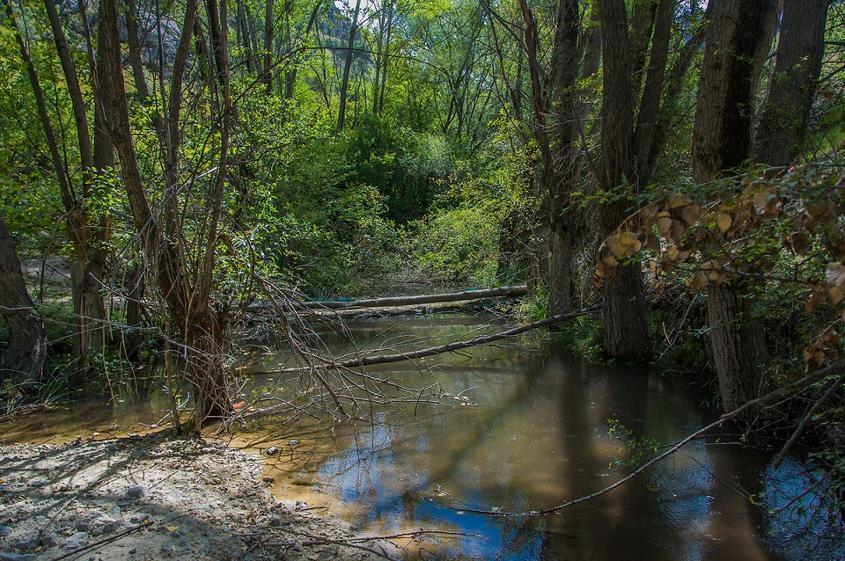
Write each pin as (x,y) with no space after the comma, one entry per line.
(664,223)
(724,221)
(676,200)
(697,282)
(690,214)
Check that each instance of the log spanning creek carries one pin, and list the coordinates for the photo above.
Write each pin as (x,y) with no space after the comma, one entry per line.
(524,426)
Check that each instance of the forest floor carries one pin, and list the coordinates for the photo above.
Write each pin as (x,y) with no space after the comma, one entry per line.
(151,498)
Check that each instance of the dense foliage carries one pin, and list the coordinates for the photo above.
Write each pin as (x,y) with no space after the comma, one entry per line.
(677,163)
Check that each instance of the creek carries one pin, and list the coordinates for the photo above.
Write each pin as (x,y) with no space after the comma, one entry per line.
(525,426)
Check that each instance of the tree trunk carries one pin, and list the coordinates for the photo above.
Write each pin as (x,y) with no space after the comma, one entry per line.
(188,310)
(721,142)
(624,314)
(23,360)
(737,344)
(267,71)
(386,61)
(347,67)
(88,261)
(133,35)
(134,311)
(625,333)
(724,111)
(783,125)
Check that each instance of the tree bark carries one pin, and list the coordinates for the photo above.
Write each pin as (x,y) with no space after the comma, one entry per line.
(133,36)
(88,262)
(783,125)
(722,142)
(556,110)
(625,332)
(347,67)
(564,220)
(189,316)
(737,344)
(267,71)
(23,359)
(724,111)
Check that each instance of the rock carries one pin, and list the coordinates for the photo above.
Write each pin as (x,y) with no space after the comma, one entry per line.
(10,556)
(106,525)
(133,551)
(49,540)
(168,549)
(77,540)
(115,511)
(5,531)
(136,492)
(28,545)
(268,479)
(272,451)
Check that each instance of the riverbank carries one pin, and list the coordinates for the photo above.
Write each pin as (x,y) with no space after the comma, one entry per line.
(150,498)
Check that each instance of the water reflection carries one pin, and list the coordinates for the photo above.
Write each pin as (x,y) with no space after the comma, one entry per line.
(538,436)
(534,435)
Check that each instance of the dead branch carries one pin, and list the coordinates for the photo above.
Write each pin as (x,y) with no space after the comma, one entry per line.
(395,301)
(369,360)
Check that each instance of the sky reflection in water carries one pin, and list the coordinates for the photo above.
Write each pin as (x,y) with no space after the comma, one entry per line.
(539,436)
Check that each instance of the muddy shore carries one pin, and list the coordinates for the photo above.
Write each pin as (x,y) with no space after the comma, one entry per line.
(149,498)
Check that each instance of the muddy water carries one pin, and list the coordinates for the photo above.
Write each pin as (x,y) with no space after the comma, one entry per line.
(526,427)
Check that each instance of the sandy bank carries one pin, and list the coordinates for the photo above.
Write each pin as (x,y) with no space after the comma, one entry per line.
(148,498)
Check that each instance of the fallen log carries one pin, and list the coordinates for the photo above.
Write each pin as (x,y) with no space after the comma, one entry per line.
(370,360)
(424,298)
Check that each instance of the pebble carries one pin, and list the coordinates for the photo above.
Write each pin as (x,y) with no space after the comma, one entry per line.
(136,492)
(272,451)
(77,540)
(106,525)
(5,531)
(268,479)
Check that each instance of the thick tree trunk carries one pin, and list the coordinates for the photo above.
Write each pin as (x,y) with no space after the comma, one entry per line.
(23,359)
(783,125)
(89,261)
(624,313)
(738,348)
(725,108)
(625,333)
(721,142)
(205,371)
(556,131)
(561,244)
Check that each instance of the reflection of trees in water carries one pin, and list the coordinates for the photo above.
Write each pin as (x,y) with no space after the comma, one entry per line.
(802,518)
(692,506)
